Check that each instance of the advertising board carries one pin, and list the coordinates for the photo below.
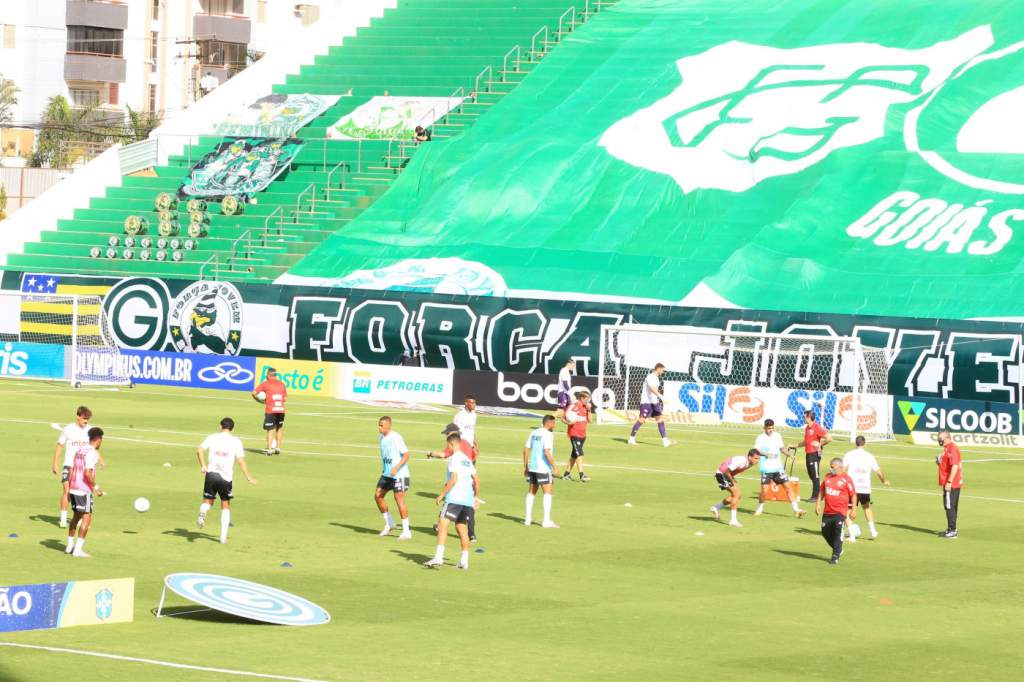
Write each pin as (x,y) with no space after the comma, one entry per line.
(61,605)
(228,373)
(396,383)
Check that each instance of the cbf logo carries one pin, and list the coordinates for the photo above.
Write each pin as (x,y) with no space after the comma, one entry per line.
(207,318)
(104,604)
(361,382)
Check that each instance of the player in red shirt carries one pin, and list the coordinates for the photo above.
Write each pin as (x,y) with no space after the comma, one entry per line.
(726,479)
(815,438)
(275,394)
(469,451)
(840,495)
(951,478)
(577,416)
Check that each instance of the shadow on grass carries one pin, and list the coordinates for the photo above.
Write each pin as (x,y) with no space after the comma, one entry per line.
(358,529)
(506,517)
(429,496)
(412,556)
(190,535)
(913,529)
(806,531)
(58,545)
(257,451)
(205,615)
(801,555)
(55,520)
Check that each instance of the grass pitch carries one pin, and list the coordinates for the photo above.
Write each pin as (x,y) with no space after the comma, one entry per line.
(625,593)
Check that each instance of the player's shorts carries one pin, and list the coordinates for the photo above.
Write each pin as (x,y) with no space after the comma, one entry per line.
(564,400)
(80,503)
(779,477)
(648,410)
(539,478)
(215,485)
(457,513)
(65,475)
(273,421)
(723,482)
(863,498)
(399,485)
(577,446)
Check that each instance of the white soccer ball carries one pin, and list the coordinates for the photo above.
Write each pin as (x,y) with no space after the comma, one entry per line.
(855,530)
(142,505)
(262,395)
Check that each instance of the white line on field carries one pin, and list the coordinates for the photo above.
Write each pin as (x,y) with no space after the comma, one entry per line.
(163,663)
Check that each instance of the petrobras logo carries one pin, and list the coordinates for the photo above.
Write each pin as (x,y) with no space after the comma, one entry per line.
(14,603)
(226,371)
(361,382)
(13,363)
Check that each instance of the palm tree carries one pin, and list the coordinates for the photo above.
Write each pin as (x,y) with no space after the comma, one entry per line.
(8,99)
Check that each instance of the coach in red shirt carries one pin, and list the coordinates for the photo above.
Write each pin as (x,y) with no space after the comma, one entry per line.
(839,493)
(275,394)
(815,438)
(951,478)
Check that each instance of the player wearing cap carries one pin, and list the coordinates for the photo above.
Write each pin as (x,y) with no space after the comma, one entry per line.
(466,421)
(577,416)
(771,447)
(463,446)
(461,497)
(224,449)
(858,464)
(539,468)
(651,405)
(839,494)
(395,476)
(72,437)
(951,478)
(82,485)
(564,386)
(815,439)
(726,478)
(275,394)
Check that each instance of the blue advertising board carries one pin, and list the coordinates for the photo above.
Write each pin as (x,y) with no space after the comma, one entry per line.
(915,413)
(32,360)
(61,605)
(225,372)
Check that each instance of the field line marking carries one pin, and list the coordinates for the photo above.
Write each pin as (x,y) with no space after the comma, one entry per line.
(163,663)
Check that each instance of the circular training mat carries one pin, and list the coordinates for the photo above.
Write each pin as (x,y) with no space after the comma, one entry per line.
(246,599)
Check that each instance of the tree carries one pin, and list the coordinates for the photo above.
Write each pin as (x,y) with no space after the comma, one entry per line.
(138,125)
(8,99)
(3,202)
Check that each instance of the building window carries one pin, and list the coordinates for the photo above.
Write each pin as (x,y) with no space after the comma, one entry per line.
(9,37)
(152,99)
(156,10)
(84,98)
(154,43)
(310,14)
(227,55)
(91,40)
(261,12)
(224,6)
(115,93)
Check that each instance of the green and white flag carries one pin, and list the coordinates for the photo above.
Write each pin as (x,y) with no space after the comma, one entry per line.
(386,118)
(275,115)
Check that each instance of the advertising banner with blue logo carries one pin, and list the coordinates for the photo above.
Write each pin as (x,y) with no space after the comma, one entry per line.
(32,360)
(392,382)
(194,370)
(62,605)
(963,416)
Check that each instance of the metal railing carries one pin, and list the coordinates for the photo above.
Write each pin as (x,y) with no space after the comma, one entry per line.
(504,62)
(247,235)
(561,18)
(215,259)
(455,94)
(490,82)
(342,165)
(298,201)
(280,224)
(547,40)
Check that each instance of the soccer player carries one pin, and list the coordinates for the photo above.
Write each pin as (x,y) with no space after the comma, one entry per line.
(815,438)
(771,447)
(465,448)
(539,468)
(951,479)
(72,437)
(395,476)
(82,484)
(461,497)
(650,406)
(858,465)
(578,415)
(564,384)
(224,450)
(726,477)
(466,421)
(839,493)
(273,417)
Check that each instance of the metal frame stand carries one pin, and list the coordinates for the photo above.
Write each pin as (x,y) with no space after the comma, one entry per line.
(169,615)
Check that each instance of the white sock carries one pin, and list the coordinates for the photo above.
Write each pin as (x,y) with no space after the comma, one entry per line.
(529,506)
(439,555)
(796,508)
(78,544)
(719,505)
(465,557)
(871,526)
(405,525)
(225,521)
(388,520)
(733,514)
(547,508)
(204,507)
(64,517)
(71,542)
(760,507)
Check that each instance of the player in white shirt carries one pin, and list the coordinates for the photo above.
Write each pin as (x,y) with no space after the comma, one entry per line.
(461,497)
(72,437)
(771,447)
(395,476)
(224,450)
(651,405)
(564,388)
(465,419)
(858,464)
(539,468)
(82,486)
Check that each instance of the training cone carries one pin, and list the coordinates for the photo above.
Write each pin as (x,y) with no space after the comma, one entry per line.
(479,551)
(13,535)
(286,564)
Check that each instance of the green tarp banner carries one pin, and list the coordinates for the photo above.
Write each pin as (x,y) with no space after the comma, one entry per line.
(240,167)
(774,154)
(275,115)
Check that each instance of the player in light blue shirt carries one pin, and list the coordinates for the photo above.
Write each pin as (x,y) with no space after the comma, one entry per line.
(461,497)
(771,447)
(539,468)
(394,458)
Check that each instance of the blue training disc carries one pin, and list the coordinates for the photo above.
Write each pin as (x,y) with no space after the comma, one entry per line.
(245,599)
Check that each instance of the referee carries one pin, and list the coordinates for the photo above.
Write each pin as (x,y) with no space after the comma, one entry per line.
(840,495)
(951,478)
